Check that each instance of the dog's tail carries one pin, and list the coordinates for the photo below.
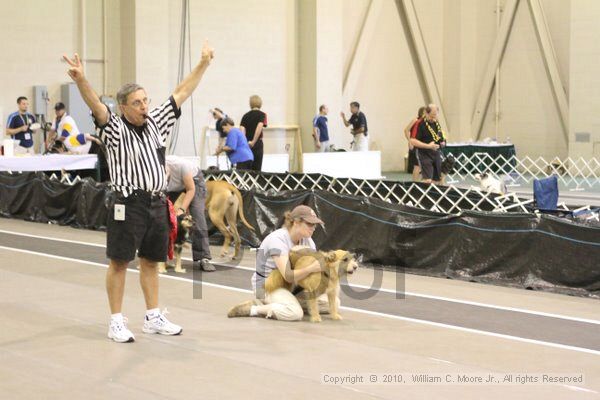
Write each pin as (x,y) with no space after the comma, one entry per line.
(241,207)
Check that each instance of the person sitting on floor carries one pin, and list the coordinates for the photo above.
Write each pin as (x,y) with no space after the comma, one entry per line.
(298,227)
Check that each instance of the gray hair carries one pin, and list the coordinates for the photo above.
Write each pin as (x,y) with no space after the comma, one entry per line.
(430,107)
(126,90)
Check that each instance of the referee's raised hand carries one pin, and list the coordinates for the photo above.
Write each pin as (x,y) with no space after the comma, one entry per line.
(76,68)
(208,53)
(185,88)
(90,97)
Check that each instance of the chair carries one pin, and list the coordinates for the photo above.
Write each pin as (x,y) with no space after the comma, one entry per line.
(545,193)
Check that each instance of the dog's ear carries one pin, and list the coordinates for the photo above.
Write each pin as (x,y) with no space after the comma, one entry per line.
(330,256)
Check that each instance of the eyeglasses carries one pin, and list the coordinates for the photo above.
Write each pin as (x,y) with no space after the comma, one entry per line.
(309,224)
(138,103)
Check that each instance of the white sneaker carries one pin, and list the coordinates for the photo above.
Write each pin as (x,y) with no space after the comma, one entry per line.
(161,325)
(118,331)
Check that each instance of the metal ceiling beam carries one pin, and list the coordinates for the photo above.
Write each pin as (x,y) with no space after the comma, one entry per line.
(545,41)
(361,47)
(421,61)
(489,77)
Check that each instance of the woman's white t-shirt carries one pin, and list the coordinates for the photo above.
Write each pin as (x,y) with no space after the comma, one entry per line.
(276,243)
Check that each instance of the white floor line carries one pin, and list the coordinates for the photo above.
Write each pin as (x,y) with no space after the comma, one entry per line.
(421,295)
(449,299)
(52,238)
(131,269)
(486,305)
(579,389)
(357,310)
(476,331)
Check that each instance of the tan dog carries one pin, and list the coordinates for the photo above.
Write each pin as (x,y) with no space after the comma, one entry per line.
(337,263)
(223,203)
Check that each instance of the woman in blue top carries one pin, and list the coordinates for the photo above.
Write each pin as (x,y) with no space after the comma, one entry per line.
(236,146)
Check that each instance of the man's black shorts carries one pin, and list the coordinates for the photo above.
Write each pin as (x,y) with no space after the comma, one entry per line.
(145,228)
(430,162)
(412,160)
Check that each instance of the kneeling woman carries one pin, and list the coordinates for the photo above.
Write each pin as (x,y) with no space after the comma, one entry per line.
(298,228)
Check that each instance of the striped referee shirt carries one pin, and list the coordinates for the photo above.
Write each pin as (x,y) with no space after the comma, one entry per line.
(136,155)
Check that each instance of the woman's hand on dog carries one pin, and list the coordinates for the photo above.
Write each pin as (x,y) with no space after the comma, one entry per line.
(317,266)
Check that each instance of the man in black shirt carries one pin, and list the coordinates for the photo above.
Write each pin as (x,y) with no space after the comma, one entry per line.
(359,130)
(252,125)
(428,140)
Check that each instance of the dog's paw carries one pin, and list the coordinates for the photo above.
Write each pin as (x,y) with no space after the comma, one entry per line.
(162,267)
(336,317)
(180,270)
(316,318)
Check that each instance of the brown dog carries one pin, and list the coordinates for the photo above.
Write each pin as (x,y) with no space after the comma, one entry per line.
(223,203)
(337,263)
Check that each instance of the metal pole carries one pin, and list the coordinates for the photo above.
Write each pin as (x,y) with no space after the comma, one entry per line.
(104,49)
(497,80)
(83,34)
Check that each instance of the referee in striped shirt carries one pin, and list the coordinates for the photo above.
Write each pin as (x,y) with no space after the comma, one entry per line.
(138,219)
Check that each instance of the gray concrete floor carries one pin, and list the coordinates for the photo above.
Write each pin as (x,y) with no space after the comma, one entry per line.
(55,346)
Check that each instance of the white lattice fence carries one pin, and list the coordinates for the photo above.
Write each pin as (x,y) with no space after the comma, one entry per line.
(444,199)
(575,174)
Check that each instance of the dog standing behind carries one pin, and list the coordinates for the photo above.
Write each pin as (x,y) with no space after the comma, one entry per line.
(490,184)
(447,167)
(556,167)
(185,223)
(338,262)
(224,202)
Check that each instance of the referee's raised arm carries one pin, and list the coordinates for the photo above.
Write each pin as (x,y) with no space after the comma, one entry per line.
(190,82)
(87,92)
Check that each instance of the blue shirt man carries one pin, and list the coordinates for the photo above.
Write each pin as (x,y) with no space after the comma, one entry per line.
(320,130)
(19,124)
(236,146)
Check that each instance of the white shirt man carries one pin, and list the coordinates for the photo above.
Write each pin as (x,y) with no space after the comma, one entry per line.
(65,129)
